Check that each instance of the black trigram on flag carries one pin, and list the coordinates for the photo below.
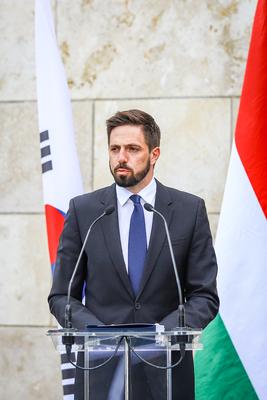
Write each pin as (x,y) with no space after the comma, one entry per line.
(45,152)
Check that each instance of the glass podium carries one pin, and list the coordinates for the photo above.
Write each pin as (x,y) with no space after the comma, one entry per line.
(121,354)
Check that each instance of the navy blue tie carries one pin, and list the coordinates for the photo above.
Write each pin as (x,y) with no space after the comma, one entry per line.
(137,246)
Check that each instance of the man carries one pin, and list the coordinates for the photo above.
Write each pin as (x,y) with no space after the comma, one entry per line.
(126,265)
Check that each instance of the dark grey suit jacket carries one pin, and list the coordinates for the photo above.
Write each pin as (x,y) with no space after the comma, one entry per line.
(109,296)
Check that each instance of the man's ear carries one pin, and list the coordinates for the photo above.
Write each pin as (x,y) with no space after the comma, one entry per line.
(154,155)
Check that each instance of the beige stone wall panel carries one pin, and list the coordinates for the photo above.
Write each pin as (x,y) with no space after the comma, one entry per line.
(235,110)
(213,220)
(132,49)
(29,365)
(195,144)
(165,48)
(17,50)
(82,116)
(17,53)
(26,270)
(21,178)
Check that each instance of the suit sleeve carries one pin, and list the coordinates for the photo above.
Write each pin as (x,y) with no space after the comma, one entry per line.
(199,283)
(68,251)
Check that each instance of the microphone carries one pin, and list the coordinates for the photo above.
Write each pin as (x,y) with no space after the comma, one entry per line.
(181,309)
(68,317)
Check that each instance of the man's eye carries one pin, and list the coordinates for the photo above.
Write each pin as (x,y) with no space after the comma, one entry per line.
(114,149)
(134,149)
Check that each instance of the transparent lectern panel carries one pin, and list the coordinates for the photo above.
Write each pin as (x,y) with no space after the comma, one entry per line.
(128,365)
(108,377)
(148,376)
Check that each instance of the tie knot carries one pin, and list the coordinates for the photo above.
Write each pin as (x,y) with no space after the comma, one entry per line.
(135,199)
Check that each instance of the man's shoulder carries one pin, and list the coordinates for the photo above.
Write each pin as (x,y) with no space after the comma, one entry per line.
(179,195)
(95,200)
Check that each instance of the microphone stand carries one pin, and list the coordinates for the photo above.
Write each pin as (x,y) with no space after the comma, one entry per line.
(68,315)
(69,340)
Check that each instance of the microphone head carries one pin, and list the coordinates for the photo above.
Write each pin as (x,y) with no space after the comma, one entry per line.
(148,207)
(109,210)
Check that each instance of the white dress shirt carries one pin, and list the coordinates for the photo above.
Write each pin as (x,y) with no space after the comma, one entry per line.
(125,210)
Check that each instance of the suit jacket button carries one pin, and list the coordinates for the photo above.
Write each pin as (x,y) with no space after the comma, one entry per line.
(137,306)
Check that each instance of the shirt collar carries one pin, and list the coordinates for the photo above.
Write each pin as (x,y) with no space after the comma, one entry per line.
(147,194)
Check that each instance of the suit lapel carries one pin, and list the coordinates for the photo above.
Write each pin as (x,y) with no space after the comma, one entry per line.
(158,235)
(110,228)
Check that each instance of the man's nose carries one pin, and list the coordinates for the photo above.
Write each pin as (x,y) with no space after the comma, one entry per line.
(122,156)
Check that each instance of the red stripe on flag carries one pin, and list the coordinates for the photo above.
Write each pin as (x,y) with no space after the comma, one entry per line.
(251,128)
(54,225)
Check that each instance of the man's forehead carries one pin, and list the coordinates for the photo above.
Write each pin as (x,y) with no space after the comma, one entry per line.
(127,134)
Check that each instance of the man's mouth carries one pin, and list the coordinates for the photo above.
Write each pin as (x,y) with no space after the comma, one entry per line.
(122,170)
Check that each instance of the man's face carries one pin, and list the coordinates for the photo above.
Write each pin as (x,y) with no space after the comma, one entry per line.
(130,161)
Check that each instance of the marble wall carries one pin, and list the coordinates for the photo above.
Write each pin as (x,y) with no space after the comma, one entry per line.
(180,60)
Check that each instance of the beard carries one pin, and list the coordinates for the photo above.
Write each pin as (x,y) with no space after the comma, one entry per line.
(130,180)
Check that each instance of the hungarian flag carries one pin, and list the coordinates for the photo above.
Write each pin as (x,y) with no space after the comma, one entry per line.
(60,167)
(233,364)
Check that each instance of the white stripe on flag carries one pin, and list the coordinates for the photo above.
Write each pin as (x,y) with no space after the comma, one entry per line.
(55,114)
(67,366)
(69,381)
(241,246)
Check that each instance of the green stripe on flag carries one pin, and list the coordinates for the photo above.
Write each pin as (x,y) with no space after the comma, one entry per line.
(219,372)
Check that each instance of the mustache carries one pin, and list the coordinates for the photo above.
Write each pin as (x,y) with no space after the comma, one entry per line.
(122,165)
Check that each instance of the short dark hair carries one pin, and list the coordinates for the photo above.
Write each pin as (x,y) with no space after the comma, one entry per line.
(138,118)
